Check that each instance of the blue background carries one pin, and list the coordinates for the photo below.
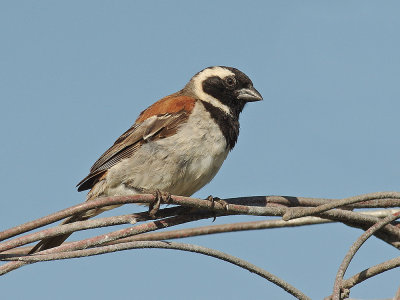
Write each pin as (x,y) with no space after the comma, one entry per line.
(74,75)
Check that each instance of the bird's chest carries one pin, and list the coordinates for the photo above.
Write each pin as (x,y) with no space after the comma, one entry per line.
(198,150)
(206,149)
(180,164)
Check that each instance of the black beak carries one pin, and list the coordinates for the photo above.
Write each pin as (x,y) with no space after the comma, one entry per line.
(248,94)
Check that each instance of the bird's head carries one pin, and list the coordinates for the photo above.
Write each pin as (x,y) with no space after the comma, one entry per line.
(225,88)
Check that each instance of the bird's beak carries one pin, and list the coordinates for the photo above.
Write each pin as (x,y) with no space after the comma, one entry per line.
(248,94)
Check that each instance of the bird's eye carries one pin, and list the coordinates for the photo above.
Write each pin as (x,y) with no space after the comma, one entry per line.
(230,81)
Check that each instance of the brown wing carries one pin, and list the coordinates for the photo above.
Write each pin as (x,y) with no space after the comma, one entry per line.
(157,125)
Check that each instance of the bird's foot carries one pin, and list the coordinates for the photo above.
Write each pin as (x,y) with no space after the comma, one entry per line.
(160,196)
(214,200)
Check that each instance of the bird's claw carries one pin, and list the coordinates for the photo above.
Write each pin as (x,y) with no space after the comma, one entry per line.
(213,200)
(160,196)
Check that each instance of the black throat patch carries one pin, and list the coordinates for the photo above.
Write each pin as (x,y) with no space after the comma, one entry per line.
(229,124)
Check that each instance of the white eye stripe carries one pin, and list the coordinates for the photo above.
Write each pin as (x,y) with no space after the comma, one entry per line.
(198,88)
(214,71)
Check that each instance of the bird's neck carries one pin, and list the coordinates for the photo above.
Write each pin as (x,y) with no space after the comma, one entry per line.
(228,123)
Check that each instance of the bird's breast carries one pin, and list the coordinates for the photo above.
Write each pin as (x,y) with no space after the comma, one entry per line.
(199,149)
(180,164)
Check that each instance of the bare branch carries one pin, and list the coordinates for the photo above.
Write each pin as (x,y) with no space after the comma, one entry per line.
(301,212)
(389,233)
(242,226)
(191,209)
(291,201)
(353,250)
(397,296)
(190,232)
(141,198)
(108,237)
(370,272)
(169,245)
(88,224)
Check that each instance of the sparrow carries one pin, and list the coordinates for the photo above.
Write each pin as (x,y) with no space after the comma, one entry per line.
(177,145)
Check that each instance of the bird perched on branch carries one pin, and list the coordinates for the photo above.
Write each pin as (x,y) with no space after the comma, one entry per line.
(175,146)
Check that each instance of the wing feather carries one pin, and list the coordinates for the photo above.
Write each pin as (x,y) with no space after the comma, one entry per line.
(155,127)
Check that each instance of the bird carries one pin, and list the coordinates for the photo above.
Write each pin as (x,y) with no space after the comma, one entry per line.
(177,145)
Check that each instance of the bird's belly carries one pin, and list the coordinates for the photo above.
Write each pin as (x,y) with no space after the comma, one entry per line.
(179,172)
(180,165)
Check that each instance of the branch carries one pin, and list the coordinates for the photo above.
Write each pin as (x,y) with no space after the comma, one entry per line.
(397,296)
(190,232)
(353,250)
(169,245)
(301,212)
(88,224)
(241,226)
(390,233)
(192,209)
(104,238)
(370,272)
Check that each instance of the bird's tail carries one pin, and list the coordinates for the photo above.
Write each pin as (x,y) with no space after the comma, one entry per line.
(55,241)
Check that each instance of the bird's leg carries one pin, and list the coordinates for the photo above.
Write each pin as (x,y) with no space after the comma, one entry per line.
(155,205)
(159,196)
(213,200)
(216,199)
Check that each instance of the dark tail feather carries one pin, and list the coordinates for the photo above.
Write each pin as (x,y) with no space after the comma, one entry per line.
(55,241)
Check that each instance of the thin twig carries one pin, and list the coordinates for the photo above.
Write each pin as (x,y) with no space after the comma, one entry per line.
(204,230)
(290,201)
(108,237)
(144,198)
(301,212)
(397,296)
(62,214)
(242,226)
(389,234)
(191,209)
(141,198)
(371,271)
(353,250)
(88,224)
(169,245)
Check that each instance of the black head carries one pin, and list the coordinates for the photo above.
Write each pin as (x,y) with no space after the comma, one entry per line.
(224,92)
(229,86)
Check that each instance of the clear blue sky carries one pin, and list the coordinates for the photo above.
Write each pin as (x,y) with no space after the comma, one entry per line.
(74,75)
